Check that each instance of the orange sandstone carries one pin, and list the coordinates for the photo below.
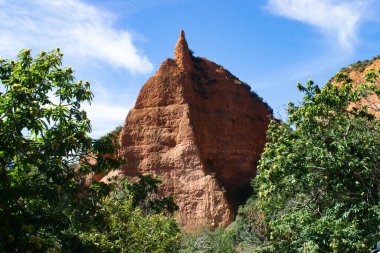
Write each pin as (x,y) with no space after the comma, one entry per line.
(357,72)
(199,129)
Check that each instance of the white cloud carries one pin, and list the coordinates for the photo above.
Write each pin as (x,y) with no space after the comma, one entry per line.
(337,19)
(105,117)
(93,45)
(83,32)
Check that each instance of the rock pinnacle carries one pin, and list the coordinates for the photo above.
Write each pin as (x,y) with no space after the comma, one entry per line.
(198,128)
(182,54)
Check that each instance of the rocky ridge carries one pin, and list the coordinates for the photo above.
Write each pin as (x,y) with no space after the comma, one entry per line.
(357,72)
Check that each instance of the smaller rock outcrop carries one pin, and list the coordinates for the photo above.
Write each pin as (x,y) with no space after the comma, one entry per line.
(357,72)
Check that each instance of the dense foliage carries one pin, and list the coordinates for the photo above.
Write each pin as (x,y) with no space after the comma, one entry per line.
(318,183)
(135,226)
(46,157)
(245,234)
(207,241)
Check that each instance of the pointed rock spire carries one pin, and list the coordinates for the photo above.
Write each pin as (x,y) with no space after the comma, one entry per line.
(177,131)
(182,54)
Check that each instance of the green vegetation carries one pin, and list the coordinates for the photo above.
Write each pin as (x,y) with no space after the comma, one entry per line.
(243,235)
(317,189)
(134,221)
(318,185)
(359,65)
(218,241)
(45,152)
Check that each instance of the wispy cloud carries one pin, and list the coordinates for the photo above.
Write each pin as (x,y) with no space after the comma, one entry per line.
(337,19)
(81,30)
(92,43)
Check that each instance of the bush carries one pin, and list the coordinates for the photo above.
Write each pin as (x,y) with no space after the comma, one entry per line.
(207,241)
(127,228)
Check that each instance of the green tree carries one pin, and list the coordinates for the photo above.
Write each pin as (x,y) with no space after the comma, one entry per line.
(43,133)
(47,203)
(318,182)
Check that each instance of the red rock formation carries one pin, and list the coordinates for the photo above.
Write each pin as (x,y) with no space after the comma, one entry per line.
(199,129)
(357,73)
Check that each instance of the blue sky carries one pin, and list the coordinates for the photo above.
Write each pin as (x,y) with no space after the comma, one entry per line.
(118,44)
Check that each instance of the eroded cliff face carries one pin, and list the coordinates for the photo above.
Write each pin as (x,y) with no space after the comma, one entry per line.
(357,73)
(199,129)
